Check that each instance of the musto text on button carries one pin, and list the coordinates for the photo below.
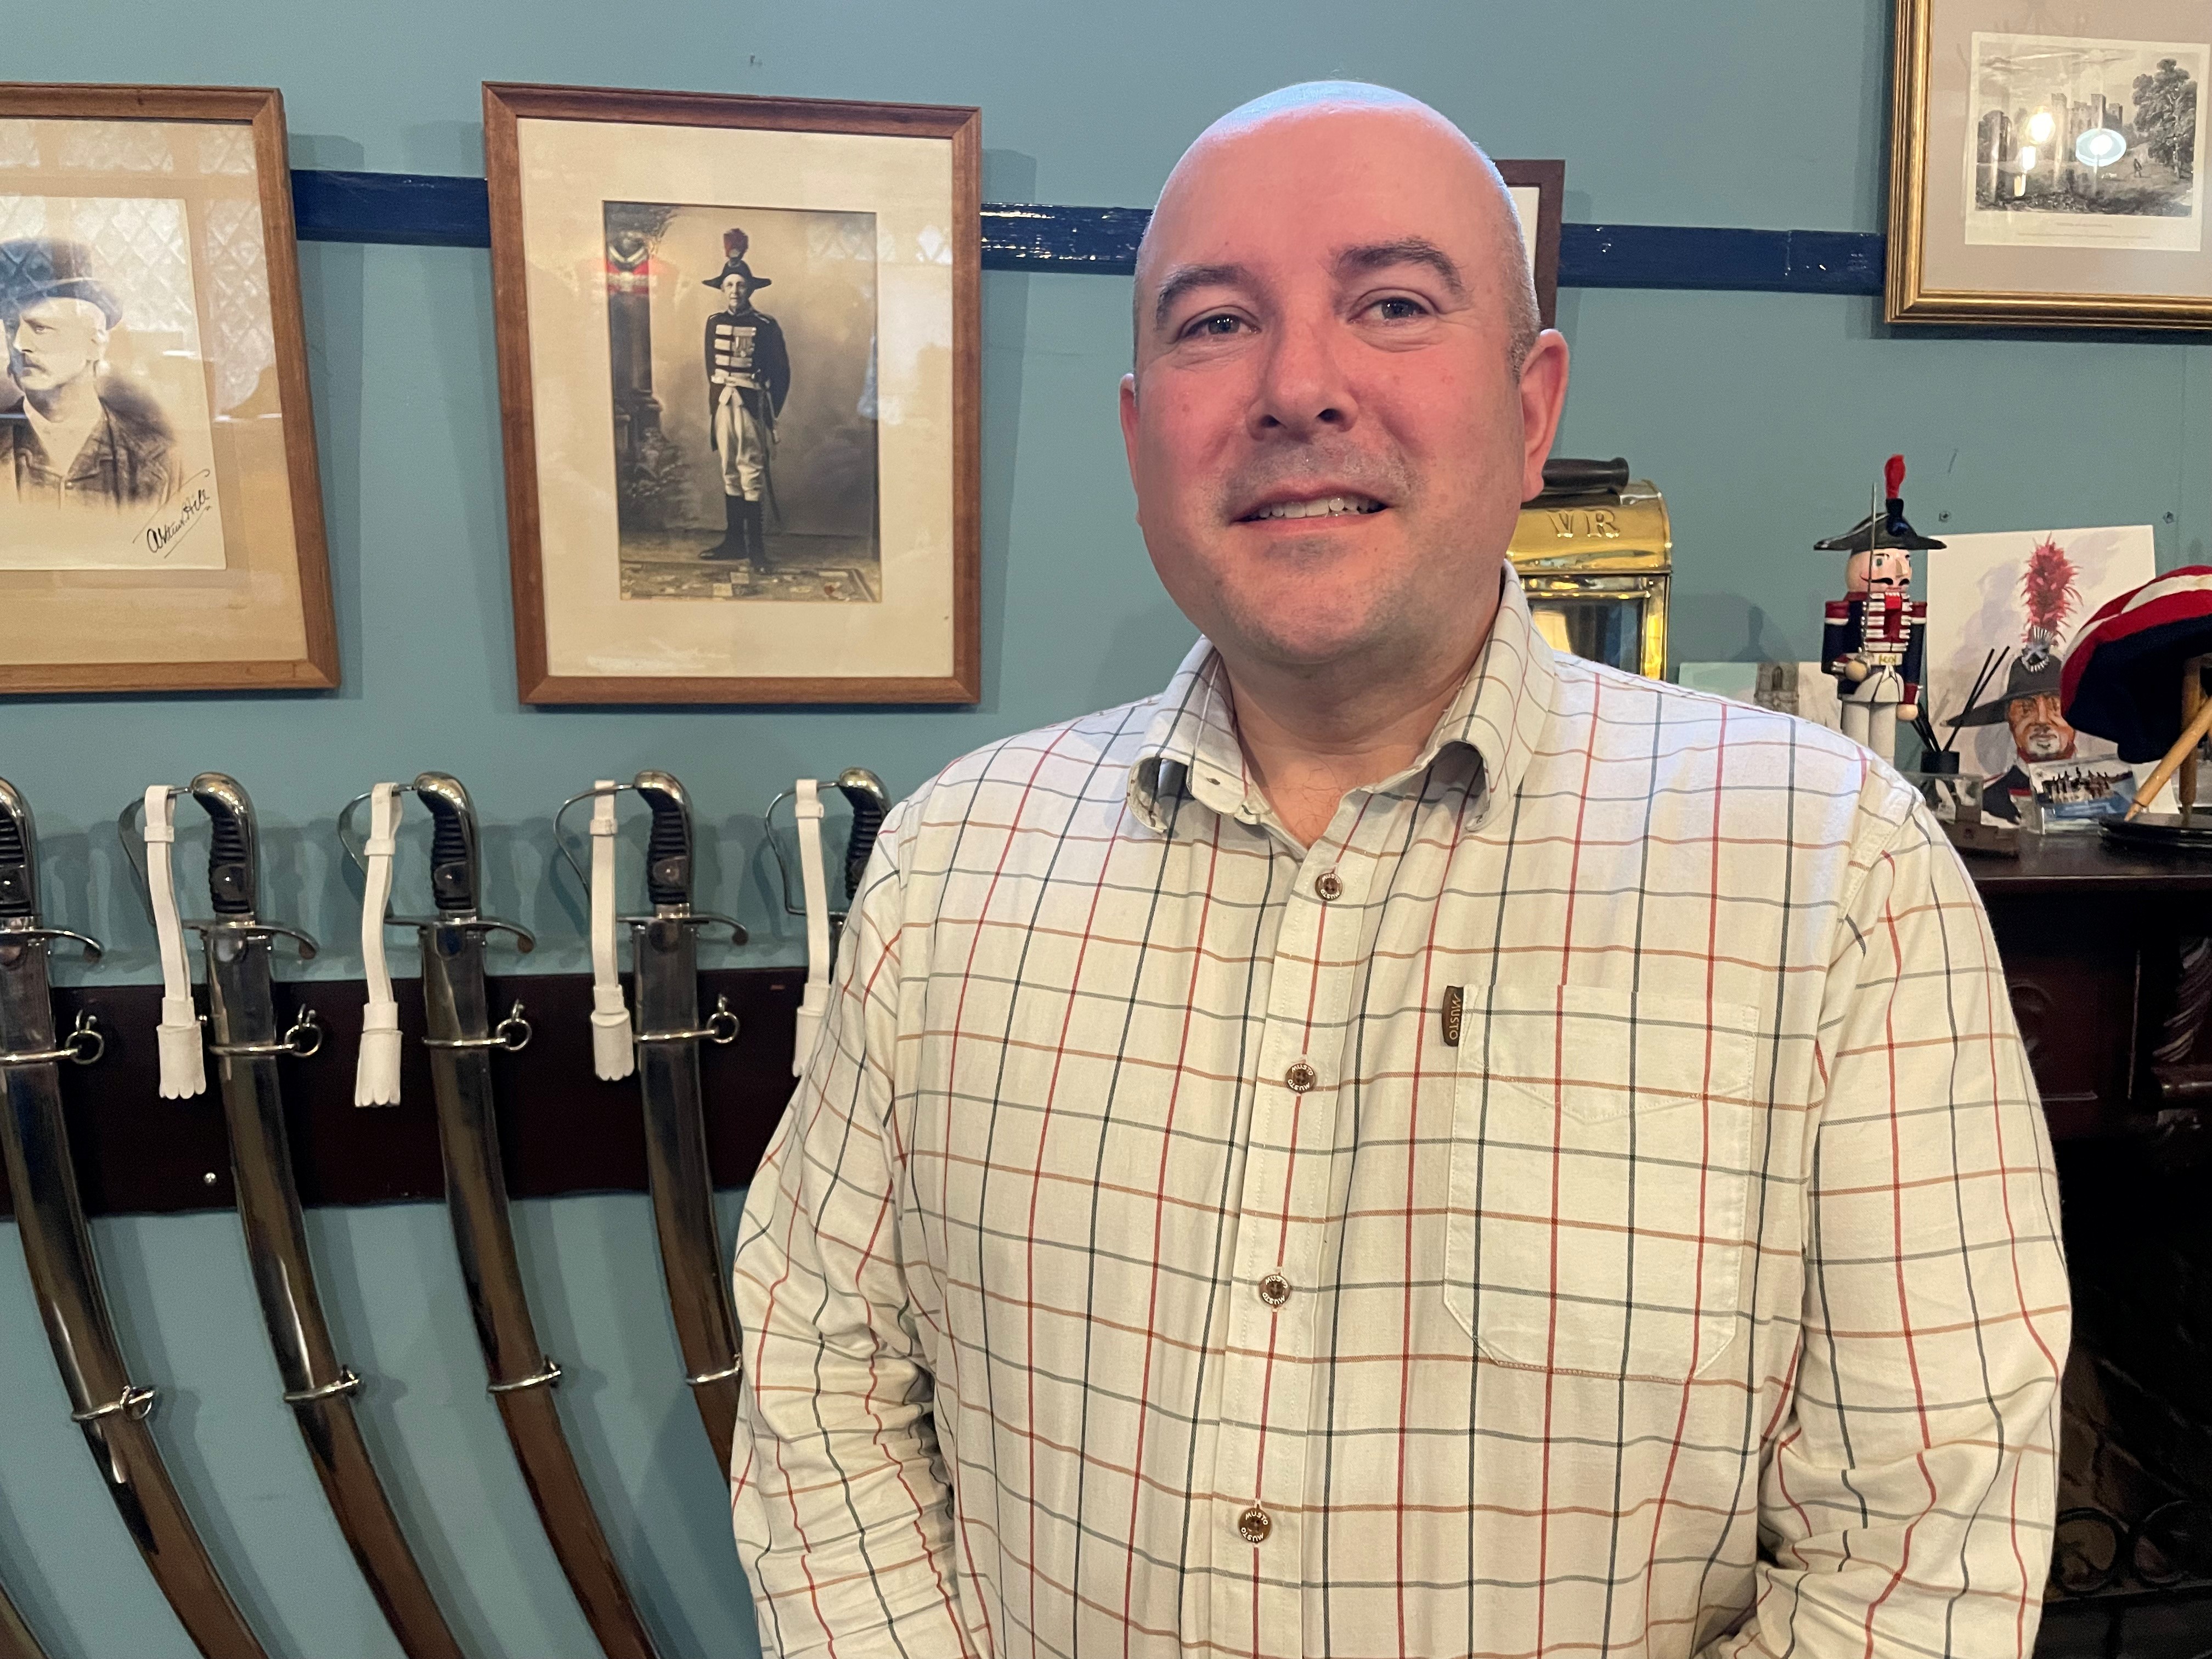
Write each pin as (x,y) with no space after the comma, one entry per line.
(1274,1290)
(1254,1526)
(1300,1078)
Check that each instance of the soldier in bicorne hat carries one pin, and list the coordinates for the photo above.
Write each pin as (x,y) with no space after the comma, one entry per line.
(2030,705)
(73,434)
(748,377)
(1875,640)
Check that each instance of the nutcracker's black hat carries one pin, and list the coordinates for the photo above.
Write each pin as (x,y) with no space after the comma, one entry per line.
(35,268)
(741,269)
(1895,532)
(2020,681)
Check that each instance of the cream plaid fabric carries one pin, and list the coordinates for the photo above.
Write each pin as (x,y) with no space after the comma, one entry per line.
(1141,1266)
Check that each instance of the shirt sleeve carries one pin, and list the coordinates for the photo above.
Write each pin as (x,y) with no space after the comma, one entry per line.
(1907,1500)
(839,1501)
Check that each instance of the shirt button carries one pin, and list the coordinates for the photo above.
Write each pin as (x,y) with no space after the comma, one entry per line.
(1274,1290)
(1301,1077)
(1254,1526)
(1327,884)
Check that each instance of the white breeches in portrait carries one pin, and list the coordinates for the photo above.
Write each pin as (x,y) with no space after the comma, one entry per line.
(1869,710)
(741,440)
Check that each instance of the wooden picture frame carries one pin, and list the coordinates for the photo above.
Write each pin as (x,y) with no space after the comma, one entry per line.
(836,426)
(2048,179)
(149,295)
(1549,181)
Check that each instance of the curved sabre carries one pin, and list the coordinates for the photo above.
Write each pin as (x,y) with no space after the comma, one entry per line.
(16,1641)
(319,1390)
(461,1037)
(664,951)
(110,1409)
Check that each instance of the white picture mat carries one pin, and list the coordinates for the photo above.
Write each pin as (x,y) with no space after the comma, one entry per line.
(568,170)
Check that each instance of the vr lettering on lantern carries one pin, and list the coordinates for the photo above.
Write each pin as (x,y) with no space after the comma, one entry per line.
(1599,521)
(192,505)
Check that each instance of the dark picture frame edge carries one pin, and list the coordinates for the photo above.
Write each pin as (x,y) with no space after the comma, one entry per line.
(504,103)
(261,108)
(1549,181)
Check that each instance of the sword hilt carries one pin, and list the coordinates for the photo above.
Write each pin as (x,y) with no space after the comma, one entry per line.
(454,860)
(234,862)
(668,848)
(19,869)
(864,792)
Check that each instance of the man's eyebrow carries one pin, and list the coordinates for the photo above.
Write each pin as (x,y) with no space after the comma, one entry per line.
(1183,278)
(1406,251)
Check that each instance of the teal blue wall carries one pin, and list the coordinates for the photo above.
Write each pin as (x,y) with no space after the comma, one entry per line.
(1763,417)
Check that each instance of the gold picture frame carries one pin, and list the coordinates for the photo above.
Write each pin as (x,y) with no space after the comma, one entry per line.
(150,294)
(2049,181)
(829,436)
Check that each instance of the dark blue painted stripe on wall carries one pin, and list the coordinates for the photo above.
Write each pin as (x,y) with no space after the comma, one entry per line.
(439,211)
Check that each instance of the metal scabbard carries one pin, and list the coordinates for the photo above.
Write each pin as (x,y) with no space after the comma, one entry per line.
(665,953)
(16,1641)
(461,1036)
(105,1404)
(317,1387)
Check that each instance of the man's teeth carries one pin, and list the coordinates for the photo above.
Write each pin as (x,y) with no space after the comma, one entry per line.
(1328,508)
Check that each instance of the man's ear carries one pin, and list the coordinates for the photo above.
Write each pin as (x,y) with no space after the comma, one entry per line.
(1543,396)
(1129,422)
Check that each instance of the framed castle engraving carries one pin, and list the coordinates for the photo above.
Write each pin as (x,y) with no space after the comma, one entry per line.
(2047,169)
(160,515)
(738,354)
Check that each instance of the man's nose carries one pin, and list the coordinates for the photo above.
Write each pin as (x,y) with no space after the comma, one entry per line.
(1303,388)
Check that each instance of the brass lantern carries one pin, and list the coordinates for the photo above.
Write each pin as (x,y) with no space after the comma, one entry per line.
(1593,554)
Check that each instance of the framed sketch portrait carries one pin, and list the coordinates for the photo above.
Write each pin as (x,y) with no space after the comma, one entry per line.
(738,357)
(2048,170)
(1539,190)
(161,517)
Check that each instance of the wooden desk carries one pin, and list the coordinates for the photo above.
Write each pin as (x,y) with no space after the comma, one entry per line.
(2107,958)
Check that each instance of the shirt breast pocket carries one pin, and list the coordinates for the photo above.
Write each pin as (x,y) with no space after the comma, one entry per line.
(1599,1171)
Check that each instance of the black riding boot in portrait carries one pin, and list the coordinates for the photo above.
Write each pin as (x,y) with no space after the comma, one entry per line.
(733,545)
(756,533)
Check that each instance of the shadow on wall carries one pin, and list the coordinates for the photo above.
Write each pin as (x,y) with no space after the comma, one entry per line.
(1727,628)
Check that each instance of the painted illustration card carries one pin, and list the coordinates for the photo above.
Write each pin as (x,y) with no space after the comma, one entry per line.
(2003,608)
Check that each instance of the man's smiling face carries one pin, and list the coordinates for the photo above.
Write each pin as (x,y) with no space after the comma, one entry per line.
(1328,438)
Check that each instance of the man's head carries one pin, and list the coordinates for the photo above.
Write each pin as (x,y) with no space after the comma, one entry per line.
(55,313)
(54,342)
(736,290)
(1341,393)
(2039,731)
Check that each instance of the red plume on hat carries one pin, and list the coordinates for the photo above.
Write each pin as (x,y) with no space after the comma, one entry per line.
(2048,594)
(735,243)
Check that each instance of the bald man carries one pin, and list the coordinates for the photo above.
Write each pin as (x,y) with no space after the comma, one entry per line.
(1405,1142)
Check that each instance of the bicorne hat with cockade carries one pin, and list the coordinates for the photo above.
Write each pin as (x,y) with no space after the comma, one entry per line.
(35,268)
(734,244)
(1885,528)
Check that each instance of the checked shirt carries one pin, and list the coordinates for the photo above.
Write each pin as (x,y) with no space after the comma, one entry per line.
(1147,1263)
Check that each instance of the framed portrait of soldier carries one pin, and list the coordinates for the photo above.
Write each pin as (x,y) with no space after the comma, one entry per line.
(738,357)
(2046,167)
(160,515)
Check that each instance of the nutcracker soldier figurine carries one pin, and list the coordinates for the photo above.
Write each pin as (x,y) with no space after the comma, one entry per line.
(1875,638)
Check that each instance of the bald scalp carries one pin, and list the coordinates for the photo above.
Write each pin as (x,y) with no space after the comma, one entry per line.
(1506,253)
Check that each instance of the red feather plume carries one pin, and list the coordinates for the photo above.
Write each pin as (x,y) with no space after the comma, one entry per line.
(1892,476)
(735,243)
(2047,590)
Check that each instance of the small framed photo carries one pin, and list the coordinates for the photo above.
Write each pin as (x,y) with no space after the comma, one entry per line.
(160,515)
(738,358)
(2048,171)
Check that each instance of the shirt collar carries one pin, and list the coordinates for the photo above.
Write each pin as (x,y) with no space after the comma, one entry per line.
(1191,748)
